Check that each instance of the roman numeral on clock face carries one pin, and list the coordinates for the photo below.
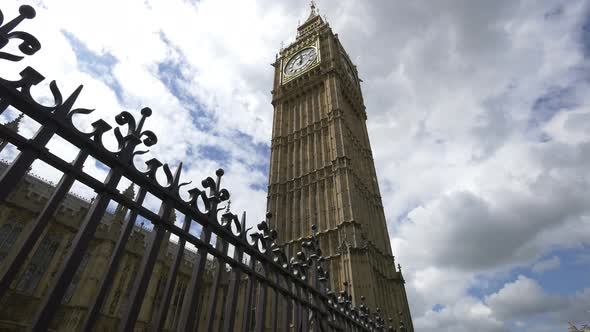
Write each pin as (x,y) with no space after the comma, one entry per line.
(300,61)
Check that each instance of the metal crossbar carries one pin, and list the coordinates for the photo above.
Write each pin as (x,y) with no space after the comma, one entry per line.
(289,294)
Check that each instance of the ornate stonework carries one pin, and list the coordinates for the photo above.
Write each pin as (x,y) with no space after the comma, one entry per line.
(17,214)
(573,328)
(322,170)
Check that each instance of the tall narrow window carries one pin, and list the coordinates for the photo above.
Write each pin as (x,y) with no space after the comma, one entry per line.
(76,280)
(119,290)
(254,303)
(8,235)
(39,264)
(160,290)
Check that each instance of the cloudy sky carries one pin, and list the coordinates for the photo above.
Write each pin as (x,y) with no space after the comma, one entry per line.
(479,118)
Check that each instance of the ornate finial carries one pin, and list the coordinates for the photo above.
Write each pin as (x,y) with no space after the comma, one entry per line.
(146,112)
(29,45)
(313,13)
(135,133)
(399,267)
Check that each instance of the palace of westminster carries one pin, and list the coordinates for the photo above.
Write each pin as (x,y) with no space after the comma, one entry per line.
(321,172)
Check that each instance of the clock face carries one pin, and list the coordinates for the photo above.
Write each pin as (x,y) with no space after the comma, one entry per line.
(348,68)
(300,61)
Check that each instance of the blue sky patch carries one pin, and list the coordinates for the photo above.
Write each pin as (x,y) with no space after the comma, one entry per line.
(172,75)
(438,307)
(99,66)
(572,275)
(259,186)
(550,103)
(215,153)
(554,13)
(554,100)
(585,36)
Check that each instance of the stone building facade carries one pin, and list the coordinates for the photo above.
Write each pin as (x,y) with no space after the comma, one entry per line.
(19,306)
(322,170)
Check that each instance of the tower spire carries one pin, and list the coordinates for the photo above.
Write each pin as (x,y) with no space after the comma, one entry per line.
(312,22)
(121,209)
(14,124)
(314,11)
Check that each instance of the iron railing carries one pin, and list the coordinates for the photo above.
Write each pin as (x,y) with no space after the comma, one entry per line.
(289,294)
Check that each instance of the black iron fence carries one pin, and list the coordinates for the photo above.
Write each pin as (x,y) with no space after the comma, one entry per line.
(275,292)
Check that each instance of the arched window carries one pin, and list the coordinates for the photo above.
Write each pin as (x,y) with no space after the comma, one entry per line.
(8,235)
(39,264)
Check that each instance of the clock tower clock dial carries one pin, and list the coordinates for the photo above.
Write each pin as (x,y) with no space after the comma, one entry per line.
(300,61)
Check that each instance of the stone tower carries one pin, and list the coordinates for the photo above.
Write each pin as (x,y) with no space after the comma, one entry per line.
(322,171)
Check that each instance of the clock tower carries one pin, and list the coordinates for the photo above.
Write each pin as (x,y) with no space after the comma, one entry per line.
(322,170)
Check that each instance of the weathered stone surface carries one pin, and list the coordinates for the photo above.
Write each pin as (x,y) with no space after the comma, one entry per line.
(322,170)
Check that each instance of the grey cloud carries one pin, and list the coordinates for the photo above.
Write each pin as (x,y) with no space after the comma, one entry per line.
(525,298)
(465,315)
(484,233)
(449,88)
(578,122)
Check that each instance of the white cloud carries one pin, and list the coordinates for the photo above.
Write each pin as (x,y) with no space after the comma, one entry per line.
(523,298)
(477,117)
(467,314)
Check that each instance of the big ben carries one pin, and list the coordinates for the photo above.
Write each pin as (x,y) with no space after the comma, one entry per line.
(322,170)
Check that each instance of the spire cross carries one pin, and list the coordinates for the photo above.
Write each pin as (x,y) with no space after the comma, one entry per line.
(313,7)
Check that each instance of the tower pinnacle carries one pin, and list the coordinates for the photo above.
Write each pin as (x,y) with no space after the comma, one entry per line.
(314,12)
(14,124)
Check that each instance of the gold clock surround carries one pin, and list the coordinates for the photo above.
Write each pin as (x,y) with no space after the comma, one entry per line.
(315,63)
